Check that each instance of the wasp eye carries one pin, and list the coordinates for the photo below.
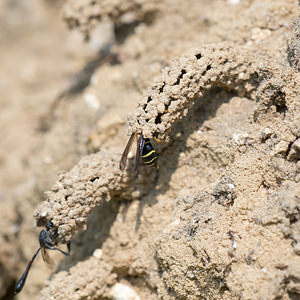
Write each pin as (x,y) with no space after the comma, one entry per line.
(49,225)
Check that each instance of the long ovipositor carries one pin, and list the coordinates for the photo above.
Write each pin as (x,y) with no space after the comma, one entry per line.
(47,241)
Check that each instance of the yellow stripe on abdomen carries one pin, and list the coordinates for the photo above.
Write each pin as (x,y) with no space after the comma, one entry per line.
(150,161)
(148,154)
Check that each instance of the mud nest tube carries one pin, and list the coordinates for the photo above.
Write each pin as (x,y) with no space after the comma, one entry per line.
(97,178)
(74,196)
(218,65)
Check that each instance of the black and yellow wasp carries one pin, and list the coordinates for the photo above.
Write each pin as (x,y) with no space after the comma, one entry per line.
(144,151)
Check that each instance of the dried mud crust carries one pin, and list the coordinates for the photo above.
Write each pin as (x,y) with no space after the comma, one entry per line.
(294,47)
(214,237)
(86,279)
(97,178)
(190,232)
(237,264)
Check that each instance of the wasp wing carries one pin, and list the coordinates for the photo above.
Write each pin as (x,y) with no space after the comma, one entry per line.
(125,153)
(139,151)
(49,262)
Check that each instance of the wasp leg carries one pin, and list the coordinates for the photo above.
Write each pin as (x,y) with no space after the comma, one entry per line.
(157,140)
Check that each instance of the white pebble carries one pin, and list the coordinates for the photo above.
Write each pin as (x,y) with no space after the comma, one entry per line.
(231,186)
(98,253)
(281,148)
(91,100)
(266,133)
(43,213)
(240,138)
(233,2)
(48,160)
(122,291)
(234,245)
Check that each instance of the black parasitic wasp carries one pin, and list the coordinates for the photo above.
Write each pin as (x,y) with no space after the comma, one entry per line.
(46,239)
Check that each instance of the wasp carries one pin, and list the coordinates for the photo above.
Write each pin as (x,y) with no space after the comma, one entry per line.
(144,151)
(47,241)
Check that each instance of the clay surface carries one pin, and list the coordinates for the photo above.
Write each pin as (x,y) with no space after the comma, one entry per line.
(217,82)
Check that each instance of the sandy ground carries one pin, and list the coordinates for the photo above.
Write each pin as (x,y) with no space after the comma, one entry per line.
(217,82)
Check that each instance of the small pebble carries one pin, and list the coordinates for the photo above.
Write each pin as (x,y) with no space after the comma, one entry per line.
(98,253)
(92,101)
(122,291)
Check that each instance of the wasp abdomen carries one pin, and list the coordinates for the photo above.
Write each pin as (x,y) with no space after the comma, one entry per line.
(149,155)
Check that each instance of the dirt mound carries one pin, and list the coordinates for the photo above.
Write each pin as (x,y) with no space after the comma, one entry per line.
(218,84)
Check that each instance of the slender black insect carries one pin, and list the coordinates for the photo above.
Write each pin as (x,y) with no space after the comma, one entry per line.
(47,241)
(144,151)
